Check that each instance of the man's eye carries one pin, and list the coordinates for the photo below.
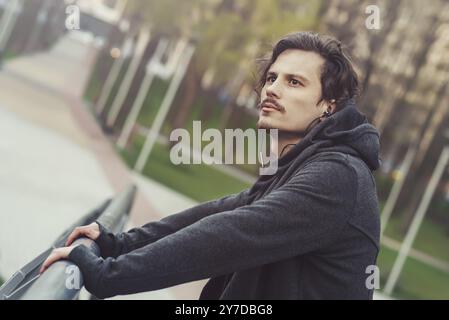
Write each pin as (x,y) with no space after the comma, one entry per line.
(295,82)
(271,79)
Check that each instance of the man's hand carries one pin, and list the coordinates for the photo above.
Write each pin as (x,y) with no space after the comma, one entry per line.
(91,231)
(55,255)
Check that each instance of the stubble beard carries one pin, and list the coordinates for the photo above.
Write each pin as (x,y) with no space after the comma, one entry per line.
(264,123)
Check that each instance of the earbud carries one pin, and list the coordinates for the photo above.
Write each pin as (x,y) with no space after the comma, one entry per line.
(262,163)
(328,112)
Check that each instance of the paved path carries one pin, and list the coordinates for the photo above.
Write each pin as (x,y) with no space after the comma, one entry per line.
(57,164)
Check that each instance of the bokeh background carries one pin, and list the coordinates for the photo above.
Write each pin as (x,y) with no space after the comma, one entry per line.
(78,104)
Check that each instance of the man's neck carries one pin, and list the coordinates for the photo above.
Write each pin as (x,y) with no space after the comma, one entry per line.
(286,141)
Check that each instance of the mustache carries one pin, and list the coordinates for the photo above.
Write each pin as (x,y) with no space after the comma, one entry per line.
(271,101)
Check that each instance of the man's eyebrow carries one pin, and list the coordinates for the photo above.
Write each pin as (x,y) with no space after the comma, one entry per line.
(290,75)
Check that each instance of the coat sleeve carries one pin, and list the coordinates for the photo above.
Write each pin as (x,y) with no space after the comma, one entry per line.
(114,245)
(305,214)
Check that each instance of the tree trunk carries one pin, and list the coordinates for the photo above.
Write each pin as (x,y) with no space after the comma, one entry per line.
(190,92)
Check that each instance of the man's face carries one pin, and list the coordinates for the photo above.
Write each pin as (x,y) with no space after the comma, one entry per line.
(291,92)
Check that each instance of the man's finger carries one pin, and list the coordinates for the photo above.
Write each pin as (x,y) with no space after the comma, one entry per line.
(73,236)
(54,256)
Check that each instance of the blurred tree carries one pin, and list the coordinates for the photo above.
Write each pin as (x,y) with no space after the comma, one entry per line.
(172,19)
(169,17)
(405,74)
(229,34)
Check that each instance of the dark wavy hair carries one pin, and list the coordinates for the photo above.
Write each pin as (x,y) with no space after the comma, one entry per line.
(339,81)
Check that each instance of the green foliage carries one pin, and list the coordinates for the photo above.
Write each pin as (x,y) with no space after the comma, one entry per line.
(171,17)
(229,34)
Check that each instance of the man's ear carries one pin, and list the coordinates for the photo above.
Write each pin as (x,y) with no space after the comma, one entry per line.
(332,105)
(329,106)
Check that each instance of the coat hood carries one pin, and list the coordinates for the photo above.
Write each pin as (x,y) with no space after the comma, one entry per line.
(346,131)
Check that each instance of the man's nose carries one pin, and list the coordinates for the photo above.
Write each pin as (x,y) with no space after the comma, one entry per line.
(273,89)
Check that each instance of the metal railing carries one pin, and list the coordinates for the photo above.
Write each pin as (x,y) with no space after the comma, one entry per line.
(27,284)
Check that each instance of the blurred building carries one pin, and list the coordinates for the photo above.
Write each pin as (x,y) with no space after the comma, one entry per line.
(99,16)
(36,26)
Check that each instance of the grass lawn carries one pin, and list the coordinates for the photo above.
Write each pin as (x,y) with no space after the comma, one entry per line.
(417,280)
(431,239)
(93,90)
(152,102)
(199,182)
(9,55)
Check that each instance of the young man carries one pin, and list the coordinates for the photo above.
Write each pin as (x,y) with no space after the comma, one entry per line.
(309,231)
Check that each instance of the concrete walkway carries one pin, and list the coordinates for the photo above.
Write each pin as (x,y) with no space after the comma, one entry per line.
(57,164)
